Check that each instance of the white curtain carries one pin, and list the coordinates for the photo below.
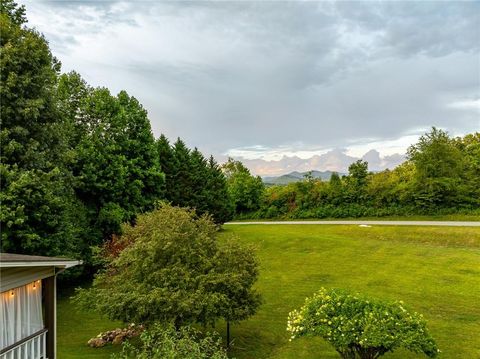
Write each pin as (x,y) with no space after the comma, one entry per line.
(20,313)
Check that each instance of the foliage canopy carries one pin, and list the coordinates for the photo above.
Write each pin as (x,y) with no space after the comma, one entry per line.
(172,269)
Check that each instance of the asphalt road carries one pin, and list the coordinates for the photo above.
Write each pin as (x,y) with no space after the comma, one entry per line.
(370,223)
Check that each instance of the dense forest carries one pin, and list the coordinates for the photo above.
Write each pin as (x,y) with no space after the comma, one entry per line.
(77,162)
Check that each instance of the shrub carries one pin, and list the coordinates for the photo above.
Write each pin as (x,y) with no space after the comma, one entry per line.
(170,267)
(160,342)
(359,327)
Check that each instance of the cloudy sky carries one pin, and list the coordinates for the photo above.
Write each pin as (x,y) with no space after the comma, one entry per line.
(274,82)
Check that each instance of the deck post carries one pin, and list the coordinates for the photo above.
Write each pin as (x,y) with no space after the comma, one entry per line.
(50,288)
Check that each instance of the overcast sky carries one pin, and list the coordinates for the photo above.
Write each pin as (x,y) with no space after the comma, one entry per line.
(261,80)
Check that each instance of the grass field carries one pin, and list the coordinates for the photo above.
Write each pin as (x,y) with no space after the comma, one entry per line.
(435,271)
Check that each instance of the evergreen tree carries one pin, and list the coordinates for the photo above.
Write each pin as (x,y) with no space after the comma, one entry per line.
(200,191)
(335,192)
(167,165)
(192,181)
(182,182)
(220,204)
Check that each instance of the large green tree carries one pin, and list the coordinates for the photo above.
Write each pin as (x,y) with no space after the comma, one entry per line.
(173,269)
(438,169)
(39,212)
(469,189)
(116,164)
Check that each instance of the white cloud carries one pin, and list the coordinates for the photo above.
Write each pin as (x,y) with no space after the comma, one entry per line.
(466,105)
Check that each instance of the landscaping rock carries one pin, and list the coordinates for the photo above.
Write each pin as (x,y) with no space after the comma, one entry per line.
(119,339)
(96,342)
(116,336)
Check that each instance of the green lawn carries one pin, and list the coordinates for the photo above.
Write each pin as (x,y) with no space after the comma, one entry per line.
(434,270)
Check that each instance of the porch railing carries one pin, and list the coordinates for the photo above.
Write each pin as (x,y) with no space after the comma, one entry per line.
(31,347)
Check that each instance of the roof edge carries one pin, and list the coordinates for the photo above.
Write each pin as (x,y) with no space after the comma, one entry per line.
(61,264)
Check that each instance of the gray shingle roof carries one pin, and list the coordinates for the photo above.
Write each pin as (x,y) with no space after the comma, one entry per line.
(10,257)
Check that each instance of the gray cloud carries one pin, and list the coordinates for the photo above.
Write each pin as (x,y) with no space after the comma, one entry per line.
(226,75)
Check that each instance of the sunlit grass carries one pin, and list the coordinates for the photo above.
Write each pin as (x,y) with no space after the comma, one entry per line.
(434,270)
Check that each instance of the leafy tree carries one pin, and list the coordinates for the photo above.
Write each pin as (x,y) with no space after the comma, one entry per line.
(172,270)
(359,327)
(15,13)
(39,213)
(159,342)
(245,190)
(469,189)
(356,181)
(116,165)
(438,168)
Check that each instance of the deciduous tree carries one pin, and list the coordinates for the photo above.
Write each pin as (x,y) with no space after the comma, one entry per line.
(173,270)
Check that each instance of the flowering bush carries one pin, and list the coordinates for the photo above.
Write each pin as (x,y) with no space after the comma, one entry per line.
(361,328)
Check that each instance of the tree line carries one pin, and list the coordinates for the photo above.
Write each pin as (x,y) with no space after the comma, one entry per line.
(77,161)
(440,176)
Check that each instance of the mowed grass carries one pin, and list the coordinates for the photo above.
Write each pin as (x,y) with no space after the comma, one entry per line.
(75,328)
(434,270)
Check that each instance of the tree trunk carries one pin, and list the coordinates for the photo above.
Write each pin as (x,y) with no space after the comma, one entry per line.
(228,334)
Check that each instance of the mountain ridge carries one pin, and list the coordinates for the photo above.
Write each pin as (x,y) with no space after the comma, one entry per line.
(296,176)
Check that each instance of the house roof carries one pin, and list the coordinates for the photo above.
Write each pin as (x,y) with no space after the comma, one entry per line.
(22,260)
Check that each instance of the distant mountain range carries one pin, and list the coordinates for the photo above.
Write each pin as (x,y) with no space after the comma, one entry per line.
(335,160)
(296,176)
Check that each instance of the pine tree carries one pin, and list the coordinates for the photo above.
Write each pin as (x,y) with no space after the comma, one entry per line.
(167,165)
(182,178)
(219,201)
(199,194)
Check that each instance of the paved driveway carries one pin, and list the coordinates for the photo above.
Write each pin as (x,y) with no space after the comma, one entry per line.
(370,223)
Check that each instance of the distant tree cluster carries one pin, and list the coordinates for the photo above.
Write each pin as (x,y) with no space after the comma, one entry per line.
(77,161)
(440,176)
(245,190)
